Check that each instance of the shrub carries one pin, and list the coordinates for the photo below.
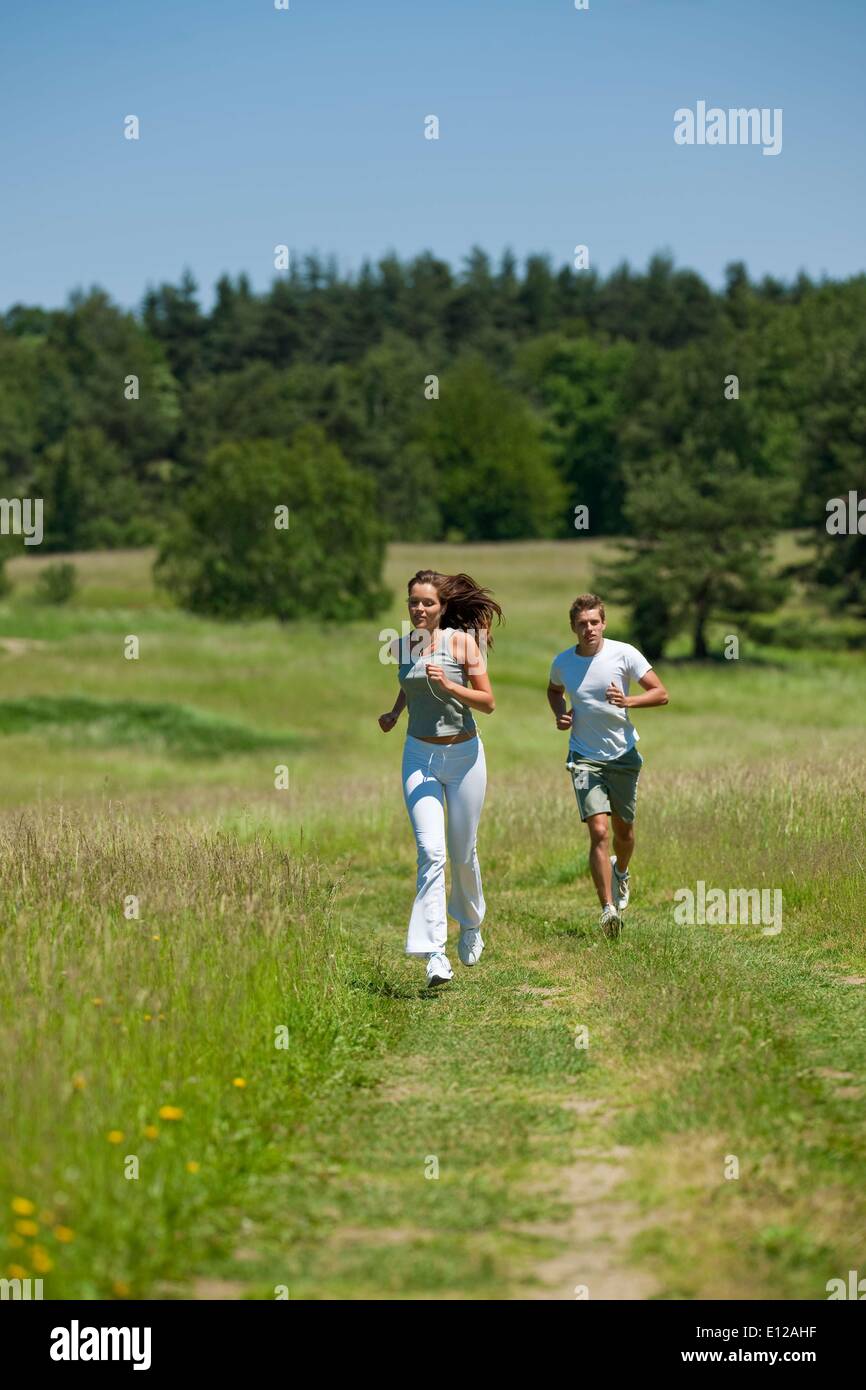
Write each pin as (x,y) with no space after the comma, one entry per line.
(56,583)
(224,554)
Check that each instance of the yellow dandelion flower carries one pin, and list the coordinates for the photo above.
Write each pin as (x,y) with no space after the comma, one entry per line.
(27,1228)
(147,1017)
(120,1288)
(79,1081)
(170,1112)
(97,1002)
(64,1234)
(239,1082)
(17,1272)
(115,1136)
(155,938)
(15,1241)
(42,1261)
(22,1206)
(150,1131)
(192,1166)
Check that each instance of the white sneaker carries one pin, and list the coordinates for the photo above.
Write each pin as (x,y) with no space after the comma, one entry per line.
(470,945)
(610,921)
(439,969)
(621,885)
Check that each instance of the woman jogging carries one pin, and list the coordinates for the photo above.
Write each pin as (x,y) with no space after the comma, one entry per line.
(443,679)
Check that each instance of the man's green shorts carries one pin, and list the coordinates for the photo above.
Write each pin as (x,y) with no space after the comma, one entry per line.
(602,787)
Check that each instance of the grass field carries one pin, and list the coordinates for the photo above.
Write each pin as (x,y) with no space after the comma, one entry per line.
(226,1079)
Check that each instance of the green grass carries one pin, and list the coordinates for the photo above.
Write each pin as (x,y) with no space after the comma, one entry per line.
(156,727)
(262,910)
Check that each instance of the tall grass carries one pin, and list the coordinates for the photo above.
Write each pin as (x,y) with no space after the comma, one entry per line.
(108,1018)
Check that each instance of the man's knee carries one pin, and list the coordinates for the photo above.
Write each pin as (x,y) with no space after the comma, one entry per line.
(598,829)
(623,831)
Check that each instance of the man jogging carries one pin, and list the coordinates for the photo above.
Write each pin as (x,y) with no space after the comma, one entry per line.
(602,757)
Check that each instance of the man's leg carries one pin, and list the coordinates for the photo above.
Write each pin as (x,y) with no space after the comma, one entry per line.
(599,857)
(623,841)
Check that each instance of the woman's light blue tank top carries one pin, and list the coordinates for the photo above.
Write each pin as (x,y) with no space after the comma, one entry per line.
(433,715)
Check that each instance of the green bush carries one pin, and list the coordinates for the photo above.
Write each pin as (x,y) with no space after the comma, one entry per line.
(225,555)
(797,633)
(56,583)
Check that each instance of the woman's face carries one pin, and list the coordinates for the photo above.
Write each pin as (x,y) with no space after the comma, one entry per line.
(425,610)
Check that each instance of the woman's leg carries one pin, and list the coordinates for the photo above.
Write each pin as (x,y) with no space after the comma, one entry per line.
(425,802)
(465,785)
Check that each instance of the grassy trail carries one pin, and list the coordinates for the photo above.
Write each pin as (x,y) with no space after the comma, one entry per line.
(451,1171)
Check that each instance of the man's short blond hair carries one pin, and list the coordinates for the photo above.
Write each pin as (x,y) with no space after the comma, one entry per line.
(584,601)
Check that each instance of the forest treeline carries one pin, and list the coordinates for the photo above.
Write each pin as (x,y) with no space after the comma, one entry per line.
(484,404)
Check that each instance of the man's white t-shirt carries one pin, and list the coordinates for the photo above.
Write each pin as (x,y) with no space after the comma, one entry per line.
(600,731)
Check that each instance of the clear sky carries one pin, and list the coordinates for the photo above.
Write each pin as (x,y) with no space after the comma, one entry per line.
(306,127)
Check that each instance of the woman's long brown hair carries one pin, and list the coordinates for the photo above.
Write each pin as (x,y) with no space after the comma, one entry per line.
(468,607)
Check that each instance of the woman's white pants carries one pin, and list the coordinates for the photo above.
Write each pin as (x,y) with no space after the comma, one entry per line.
(436,775)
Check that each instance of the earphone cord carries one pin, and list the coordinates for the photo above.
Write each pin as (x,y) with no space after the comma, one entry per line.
(430,688)
(433,692)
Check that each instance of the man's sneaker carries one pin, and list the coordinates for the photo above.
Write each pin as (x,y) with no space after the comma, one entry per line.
(621,884)
(610,921)
(439,969)
(470,945)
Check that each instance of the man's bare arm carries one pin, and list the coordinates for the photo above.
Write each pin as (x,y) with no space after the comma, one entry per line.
(556,700)
(655,694)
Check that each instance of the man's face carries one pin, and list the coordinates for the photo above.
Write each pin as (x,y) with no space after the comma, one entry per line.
(589,626)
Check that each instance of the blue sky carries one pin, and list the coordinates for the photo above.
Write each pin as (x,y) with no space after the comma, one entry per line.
(305,127)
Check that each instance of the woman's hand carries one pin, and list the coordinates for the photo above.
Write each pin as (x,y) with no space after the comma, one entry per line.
(437,676)
(387,721)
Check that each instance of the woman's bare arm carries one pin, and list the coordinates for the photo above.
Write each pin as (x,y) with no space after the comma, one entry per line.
(478,695)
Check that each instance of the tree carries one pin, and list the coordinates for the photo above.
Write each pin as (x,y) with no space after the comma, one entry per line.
(226,555)
(234,333)
(19,405)
(706,491)
(701,549)
(173,317)
(101,346)
(664,306)
(92,501)
(580,383)
(491,470)
(428,291)
(834,444)
(261,402)
(389,385)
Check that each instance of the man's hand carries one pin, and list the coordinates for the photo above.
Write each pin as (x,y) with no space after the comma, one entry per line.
(614,696)
(387,721)
(556,699)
